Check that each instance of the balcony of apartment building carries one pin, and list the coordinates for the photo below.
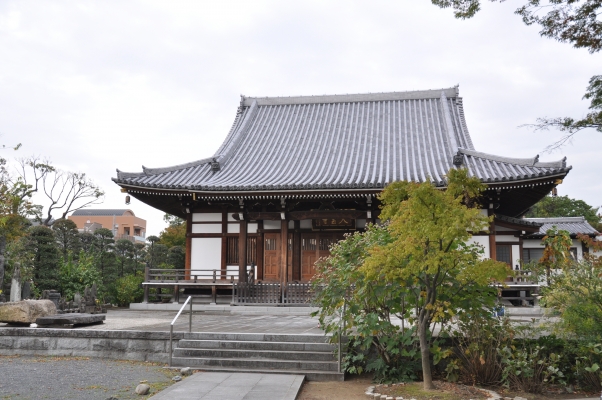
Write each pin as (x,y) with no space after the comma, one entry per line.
(134,234)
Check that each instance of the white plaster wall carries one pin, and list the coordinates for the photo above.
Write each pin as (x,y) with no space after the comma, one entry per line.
(305,224)
(206,254)
(230,218)
(207,217)
(483,241)
(233,228)
(516,256)
(206,228)
(532,244)
(252,227)
(269,224)
(506,238)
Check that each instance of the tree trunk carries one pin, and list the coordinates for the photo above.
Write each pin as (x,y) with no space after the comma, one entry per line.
(425,353)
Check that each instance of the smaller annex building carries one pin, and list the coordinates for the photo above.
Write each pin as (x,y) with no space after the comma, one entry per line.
(122,222)
(519,247)
(294,174)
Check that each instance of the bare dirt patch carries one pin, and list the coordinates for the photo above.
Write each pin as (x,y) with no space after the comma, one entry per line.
(353,388)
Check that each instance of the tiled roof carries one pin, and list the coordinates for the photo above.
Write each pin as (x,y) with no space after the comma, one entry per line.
(100,212)
(342,142)
(573,225)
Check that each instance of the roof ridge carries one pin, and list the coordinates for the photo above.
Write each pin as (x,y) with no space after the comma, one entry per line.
(156,171)
(352,98)
(531,162)
(557,219)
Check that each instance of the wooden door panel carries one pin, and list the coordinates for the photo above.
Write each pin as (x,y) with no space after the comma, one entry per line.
(271,257)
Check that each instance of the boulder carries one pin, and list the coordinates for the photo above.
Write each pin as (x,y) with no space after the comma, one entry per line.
(142,389)
(26,311)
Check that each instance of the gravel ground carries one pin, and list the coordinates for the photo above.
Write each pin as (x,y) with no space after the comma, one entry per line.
(23,377)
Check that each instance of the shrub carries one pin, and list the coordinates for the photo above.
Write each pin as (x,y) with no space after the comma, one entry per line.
(476,341)
(129,289)
(529,368)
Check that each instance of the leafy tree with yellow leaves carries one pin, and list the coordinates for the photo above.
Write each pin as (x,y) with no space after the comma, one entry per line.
(430,229)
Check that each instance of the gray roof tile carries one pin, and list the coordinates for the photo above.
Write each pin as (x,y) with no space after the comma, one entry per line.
(573,225)
(342,142)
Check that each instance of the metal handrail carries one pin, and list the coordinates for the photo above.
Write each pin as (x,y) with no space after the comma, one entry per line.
(189,299)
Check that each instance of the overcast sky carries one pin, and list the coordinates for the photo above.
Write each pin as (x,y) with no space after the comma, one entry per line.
(95,86)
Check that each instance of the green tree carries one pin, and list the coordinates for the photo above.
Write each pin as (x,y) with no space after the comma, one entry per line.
(176,257)
(76,275)
(87,241)
(175,233)
(564,206)
(124,251)
(67,237)
(139,255)
(363,308)
(575,289)
(569,21)
(430,229)
(105,257)
(42,244)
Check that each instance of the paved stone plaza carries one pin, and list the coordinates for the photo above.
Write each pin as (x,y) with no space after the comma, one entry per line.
(209,321)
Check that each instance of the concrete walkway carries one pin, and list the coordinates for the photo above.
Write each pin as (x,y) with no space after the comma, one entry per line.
(234,386)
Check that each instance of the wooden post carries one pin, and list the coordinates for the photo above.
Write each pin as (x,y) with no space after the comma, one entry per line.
(146,279)
(260,247)
(492,249)
(284,252)
(296,276)
(188,245)
(242,252)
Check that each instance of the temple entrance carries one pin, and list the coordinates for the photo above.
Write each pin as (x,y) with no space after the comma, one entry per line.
(313,246)
(271,257)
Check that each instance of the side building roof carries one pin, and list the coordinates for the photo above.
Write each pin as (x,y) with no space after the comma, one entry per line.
(342,142)
(102,212)
(574,225)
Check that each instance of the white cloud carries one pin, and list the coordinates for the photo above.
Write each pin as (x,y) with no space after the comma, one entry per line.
(102,85)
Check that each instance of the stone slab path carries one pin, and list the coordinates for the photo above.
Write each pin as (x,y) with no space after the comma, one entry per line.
(234,386)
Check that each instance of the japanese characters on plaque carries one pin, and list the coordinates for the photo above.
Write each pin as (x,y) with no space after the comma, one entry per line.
(333,223)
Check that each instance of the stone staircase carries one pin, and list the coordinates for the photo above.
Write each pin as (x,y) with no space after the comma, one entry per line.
(308,355)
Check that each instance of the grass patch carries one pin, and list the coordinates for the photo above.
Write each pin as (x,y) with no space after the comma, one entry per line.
(443,391)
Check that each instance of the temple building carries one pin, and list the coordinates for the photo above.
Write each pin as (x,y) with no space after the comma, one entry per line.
(294,174)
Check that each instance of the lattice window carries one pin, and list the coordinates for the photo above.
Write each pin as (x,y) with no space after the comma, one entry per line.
(270,244)
(232,250)
(309,244)
(504,253)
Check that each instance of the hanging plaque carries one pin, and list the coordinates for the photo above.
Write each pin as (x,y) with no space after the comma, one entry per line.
(333,223)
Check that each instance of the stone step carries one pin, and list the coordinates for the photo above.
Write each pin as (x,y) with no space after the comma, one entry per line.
(252,364)
(254,354)
(255,345)
(257,337)
(320,376)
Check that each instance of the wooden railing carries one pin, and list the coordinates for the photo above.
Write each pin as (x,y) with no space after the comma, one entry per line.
(297,293)
(177,275)
(256,293)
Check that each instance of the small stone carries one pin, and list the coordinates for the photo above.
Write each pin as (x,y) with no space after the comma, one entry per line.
(389,397)
(176,378)
(186,371)
(383,397)
(399,398)
(376,396)
(142,389)
(519,398)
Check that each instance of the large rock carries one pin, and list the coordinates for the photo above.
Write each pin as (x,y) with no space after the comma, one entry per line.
(26,311)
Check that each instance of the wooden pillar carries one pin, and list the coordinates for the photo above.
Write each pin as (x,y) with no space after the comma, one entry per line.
(284,251)
(492,249)
(188,261)
(260,247)
(242,252)
(224,267)
(296,276)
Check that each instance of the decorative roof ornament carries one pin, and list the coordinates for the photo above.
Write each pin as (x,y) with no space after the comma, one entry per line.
(215,166)
(458,159)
